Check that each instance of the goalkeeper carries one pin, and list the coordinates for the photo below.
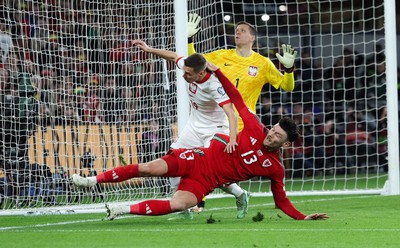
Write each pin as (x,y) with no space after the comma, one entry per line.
(248,70)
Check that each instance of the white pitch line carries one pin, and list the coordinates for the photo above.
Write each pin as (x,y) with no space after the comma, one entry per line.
(48,224)
(2,229)
(220,230)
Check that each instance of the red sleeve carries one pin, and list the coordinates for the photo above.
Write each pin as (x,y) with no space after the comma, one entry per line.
(232,92)
(248,117)
(224,102)
(177,61)
(282,202)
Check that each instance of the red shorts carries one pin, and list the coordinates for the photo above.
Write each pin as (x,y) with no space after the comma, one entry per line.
(192,180)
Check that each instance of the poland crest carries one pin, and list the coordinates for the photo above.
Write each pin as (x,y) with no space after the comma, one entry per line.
(253,71)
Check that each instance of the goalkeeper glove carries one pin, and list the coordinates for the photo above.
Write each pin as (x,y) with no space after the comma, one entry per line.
(289,55)
(193,26)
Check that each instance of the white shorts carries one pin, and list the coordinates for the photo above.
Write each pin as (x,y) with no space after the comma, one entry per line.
(192,137)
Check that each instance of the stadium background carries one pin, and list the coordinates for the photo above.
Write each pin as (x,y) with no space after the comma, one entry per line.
(62,115)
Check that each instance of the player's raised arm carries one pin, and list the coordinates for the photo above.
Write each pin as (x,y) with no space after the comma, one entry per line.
(193,27)
(287,60)
(168,55)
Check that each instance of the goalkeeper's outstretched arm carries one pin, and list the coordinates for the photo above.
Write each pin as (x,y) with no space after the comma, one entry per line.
(168,55)
(287,60)
(193,27)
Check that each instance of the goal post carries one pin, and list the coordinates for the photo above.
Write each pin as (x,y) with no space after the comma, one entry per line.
(393,185)
(183,108)
(77,97)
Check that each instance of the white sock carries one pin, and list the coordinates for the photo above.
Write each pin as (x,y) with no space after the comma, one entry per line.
(92,180)
(126,209)
(174,181)
(233,189)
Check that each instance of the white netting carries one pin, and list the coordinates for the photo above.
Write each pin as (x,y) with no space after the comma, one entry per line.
(78,96)
(75,95)
(340,91)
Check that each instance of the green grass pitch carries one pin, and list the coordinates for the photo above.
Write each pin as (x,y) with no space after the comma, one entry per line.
(356,221)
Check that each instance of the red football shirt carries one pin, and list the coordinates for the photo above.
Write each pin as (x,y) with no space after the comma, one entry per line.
(213,167)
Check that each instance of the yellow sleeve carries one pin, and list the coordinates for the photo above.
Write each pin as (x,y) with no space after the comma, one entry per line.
(277,80)
(287,83)
(191,49)
(216,57)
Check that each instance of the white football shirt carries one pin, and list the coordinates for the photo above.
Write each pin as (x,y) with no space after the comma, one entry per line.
(206,117)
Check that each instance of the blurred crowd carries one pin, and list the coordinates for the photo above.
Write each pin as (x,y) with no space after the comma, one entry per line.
(80,59)
(73,63)
(341,111)
(84,69)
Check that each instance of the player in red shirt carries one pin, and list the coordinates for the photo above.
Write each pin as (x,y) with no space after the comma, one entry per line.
(204,169)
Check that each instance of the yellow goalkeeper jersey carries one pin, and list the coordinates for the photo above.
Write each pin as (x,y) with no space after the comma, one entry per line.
(250,74)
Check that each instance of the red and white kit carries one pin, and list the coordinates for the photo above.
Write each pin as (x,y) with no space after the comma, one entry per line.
(206,114)
(204,169)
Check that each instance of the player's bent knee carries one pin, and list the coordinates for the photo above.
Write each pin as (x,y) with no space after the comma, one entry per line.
(183,200)
(145,170)
(180,205)
(153,168)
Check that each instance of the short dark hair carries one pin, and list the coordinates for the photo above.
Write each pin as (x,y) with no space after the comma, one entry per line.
(290,127)
(196,61)
(253,30)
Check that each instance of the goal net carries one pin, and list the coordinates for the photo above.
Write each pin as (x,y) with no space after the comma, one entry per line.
(77,97)
(339,100)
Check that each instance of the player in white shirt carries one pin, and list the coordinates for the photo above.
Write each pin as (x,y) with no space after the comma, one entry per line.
(207,113)
(211,112)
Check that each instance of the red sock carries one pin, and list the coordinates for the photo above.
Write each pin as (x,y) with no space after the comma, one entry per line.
(119,174)
(152,207)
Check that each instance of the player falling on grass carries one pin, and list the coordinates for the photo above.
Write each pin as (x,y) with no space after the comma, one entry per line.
(248,70)
(211,112)
(204,169)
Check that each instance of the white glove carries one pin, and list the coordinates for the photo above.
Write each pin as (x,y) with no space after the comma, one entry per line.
(289,55)
(193,24)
